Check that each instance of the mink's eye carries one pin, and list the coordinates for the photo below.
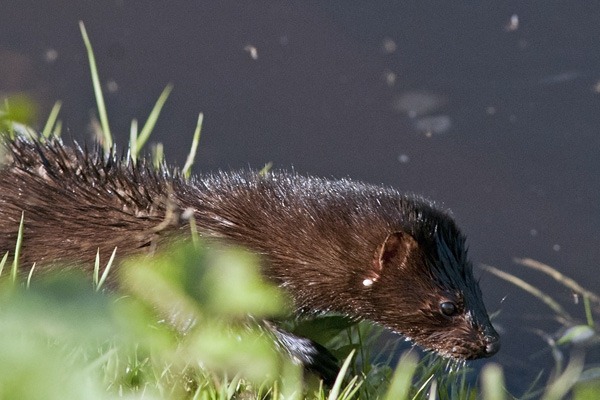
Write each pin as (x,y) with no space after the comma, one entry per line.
(448,308)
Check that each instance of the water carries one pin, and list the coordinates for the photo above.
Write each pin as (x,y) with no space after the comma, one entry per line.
(490,109)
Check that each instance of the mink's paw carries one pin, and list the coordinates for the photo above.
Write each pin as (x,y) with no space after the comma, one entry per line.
(314,357)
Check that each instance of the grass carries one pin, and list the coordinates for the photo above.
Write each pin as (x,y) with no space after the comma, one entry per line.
(52,126)
(568,343)
(96,278)
(106,345)
(106,138)
(187,167)
(15,265)
(178,330)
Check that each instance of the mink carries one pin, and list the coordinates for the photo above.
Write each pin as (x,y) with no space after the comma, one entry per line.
(365,251)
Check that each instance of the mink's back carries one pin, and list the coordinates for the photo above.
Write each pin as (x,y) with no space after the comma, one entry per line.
(322,224)
(76,202)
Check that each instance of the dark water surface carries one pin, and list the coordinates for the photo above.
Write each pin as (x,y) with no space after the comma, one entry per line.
(492,110)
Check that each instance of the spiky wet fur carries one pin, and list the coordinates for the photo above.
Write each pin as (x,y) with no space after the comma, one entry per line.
(319,238)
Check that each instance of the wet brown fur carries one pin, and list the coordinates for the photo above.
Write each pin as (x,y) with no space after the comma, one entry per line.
(336,245)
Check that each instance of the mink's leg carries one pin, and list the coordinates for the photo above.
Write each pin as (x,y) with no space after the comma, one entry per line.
(314,357)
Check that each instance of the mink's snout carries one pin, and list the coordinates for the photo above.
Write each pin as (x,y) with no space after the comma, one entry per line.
(492,346)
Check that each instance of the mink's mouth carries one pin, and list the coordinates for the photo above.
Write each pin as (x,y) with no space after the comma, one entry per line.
(484,348)
(460,348)
(492,348)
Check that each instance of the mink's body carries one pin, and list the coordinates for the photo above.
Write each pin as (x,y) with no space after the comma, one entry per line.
(362,250)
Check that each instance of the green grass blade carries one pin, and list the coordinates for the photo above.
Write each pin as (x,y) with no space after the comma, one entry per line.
(107,136)
(192,155)
(562,384)
(96,274)
(588,311)
(493,382)
(30,275)
(194,229)
(402,379)
(557,276)
(47,131)
(106,270)
(352,388)
(133,140)
(266,169)
(158,154)
(57,129)
(151,122)
(5,118)
(529,288)
(15,266)
(3,262)
(335,390)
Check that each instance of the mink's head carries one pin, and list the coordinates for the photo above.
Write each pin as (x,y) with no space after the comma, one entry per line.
(421,285)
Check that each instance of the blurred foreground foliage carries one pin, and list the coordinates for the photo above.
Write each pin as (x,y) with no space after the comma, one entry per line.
(173,321)
(17,110)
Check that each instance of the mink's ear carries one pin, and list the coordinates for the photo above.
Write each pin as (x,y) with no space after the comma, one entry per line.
(392,253)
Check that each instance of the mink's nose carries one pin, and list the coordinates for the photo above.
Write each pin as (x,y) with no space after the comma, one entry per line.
(492,346)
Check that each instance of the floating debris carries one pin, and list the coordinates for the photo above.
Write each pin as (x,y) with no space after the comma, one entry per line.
(252,51)
(388,45)
(50,55)
(403,158)
(389,77)
(512,24)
